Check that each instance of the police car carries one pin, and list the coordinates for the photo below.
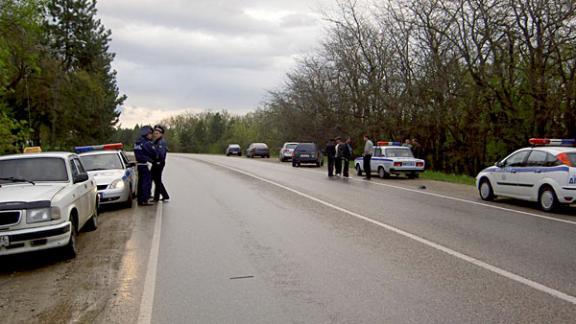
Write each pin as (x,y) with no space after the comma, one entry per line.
(391,158)
(45,199)
(544,173)
(114,175)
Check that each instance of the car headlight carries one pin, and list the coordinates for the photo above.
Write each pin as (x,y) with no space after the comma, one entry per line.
(117,184)
(38,215)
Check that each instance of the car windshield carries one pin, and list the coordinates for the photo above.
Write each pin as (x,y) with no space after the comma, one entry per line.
(101,162)
(399,152)
(306,147)
(33,169)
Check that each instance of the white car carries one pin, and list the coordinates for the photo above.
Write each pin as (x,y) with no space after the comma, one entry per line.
(115,176)
(544,173)
(391,158)
(45,199)
(287,151)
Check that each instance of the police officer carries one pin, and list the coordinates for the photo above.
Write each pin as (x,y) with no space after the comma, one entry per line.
(158,166)
(145,153)
(346,156)
(331,154)
(367,157)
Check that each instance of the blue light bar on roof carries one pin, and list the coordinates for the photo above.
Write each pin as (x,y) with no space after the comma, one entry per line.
(83,149)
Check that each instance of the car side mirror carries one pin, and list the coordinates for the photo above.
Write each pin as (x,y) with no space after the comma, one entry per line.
(500,164)
(81,177)
(131,164)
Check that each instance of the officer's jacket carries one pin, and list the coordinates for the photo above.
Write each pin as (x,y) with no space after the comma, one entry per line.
(144,151)
(161,149)
(331,150)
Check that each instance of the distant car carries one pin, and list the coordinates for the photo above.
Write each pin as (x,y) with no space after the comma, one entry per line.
(286,151)
(307,153)
(115,176)
(544,173)
(391,158)
(258,149)
(233,149)
(45,200)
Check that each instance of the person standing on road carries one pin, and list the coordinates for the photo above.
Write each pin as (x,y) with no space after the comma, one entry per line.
(367,157)
(144,153)
(331,154)
(158,166)
(339,148)
(346,155)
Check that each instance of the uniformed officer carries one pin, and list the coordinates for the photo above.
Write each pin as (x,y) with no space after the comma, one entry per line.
(368,149)
(144,153)
(158,166)
(331,154)
(346,156)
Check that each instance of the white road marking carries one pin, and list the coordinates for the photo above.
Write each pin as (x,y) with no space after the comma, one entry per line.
(507,274)
(147,302)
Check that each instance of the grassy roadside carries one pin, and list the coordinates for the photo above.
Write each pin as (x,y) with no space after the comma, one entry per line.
(447,177)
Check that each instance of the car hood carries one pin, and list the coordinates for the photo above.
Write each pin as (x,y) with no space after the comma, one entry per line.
(28,192)
(106,176)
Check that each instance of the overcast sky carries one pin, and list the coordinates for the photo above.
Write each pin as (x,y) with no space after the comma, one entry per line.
(194,55)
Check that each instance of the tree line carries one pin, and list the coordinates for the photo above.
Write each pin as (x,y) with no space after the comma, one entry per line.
(57,86)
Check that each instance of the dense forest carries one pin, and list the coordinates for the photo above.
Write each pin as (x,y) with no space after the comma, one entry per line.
(472,80)
(57,88)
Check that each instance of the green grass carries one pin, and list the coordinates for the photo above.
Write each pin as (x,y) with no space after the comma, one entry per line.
(446,177)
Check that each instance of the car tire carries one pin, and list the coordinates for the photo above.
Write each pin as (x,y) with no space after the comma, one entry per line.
(318,164)
(382,173)
(358,170)
(547,199)
(129,202)
(92,223)
(70,251)
(485,190)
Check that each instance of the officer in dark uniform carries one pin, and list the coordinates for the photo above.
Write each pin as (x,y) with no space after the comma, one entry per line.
(144,153)
(346,156)
(158,166)
(331,154)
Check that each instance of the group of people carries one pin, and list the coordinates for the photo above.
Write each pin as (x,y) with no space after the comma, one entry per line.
(150,150)
(339,154)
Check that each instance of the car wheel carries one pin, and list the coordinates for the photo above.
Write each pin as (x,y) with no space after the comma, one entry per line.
(92,223)
(70,251)
(485,190)
(128,203)
(382,173)
(358,170)
(318,164)
(547,199)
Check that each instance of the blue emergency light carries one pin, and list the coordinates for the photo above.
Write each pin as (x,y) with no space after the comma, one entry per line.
(553,141)
(89,148)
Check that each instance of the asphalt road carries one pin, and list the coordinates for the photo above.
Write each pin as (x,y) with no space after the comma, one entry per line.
(253,241)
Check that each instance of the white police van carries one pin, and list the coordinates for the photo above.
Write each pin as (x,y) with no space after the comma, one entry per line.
(544,173)
(114,174)
(391,158)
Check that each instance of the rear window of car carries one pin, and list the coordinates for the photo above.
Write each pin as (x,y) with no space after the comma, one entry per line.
(260,146)
(306,147)
(291,146)
(34,169)
(572,157)
(399,152)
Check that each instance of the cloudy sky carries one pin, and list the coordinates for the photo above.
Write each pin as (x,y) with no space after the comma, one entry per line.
(193,55)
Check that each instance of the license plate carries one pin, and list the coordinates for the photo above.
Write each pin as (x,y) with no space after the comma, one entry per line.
(304,155)
(408,163)
(4,241)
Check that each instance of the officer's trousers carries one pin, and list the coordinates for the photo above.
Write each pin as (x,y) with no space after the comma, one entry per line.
(144,183)
(331,161)
(338,165)
(159,189)
(367,167)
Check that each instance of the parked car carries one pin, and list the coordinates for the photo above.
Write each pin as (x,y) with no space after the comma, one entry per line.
(391,158)
(286,151)
(233,149)
(307,153)
(258,149)
(544,173)
(115,176)
(45,200)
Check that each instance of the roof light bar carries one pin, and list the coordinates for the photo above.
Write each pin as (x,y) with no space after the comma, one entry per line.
(386,143)
(89,148)
(553,141)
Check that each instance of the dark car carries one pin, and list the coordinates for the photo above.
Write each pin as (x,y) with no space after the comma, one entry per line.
(258,149)
(233,149)
(307,153)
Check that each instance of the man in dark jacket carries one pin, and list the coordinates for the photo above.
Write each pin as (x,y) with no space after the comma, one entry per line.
(158,166)
(346,156)
(144,153)
(331,154)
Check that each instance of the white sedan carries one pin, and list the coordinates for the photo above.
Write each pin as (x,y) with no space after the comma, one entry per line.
(45,199)
(544,173)
(114,175)
(391,158)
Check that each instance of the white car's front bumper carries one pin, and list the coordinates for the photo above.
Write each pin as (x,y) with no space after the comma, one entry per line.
(34,239)
(113,196)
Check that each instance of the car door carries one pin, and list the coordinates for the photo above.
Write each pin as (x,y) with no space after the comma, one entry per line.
(130,172)
(375,159)
(540,164)
(508,176)
(83,192)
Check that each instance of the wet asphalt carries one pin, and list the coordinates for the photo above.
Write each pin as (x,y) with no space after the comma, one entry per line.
(236,249)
